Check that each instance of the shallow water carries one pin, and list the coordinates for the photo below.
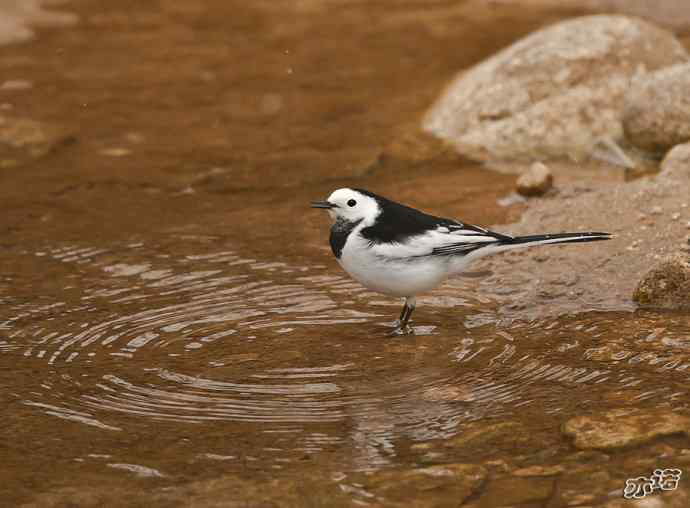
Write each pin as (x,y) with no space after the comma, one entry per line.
(171,313)
(181,358)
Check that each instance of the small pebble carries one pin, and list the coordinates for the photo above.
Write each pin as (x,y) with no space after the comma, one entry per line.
(536,181)
(633,245)
(675,216)
(115,152)
(656,210)
(16,84)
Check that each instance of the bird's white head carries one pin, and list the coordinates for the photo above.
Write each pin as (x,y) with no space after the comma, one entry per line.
(350,205)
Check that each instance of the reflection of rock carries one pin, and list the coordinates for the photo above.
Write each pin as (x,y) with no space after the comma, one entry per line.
(667,285)
(446,485)
(535,181)
(621,428)
(554,92)
(656,115)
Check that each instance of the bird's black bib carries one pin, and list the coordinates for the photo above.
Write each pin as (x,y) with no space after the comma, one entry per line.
(340,230)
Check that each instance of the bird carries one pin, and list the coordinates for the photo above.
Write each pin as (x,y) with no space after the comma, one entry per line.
(398,251)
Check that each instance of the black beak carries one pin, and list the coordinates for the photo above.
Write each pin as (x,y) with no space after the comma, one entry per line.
(323,204)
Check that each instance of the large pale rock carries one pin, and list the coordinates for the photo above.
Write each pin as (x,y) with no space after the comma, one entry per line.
(656,115)
(554,93)
(674,14)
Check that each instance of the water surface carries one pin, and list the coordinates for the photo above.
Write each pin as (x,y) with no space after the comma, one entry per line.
(170,313)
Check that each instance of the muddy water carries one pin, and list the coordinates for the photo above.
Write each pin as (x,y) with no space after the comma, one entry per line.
(173,326)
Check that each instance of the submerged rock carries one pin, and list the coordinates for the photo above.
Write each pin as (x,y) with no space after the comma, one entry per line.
(583,487)
(227,491)
(539,471)
(678,498)
(536,181)
(489,435)
(23,139)
(514,491)
(666,286)
(553,93)
(621,428)
(446,485)
(656,115)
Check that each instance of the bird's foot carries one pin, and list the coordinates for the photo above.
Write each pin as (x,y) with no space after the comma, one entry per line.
(401,330)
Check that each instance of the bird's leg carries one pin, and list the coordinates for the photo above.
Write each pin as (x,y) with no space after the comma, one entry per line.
(407,311)
(403,313)
(408,308)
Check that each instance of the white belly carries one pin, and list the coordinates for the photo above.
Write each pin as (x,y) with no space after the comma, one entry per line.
(390,276)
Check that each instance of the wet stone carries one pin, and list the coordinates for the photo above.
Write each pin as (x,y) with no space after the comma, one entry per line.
(667,285)
(436,486)
(620,428)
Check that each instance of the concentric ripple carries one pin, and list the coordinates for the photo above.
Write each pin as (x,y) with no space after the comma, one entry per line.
(296,356)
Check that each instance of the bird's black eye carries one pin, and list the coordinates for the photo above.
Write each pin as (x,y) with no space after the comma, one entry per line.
(351,202)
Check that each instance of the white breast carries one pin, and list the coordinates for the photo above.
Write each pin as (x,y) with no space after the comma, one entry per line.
(395,276)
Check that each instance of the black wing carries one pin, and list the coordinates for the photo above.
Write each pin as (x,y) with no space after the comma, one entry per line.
(398,222)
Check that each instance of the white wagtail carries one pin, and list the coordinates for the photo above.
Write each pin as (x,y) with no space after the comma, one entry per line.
(399,251)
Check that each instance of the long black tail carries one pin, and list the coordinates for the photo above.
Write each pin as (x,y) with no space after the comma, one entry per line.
(505,243)
(556,238)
